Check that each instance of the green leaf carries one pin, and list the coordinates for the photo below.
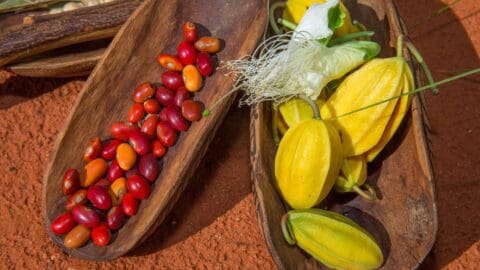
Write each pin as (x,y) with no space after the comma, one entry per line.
(336,17)
(370,48)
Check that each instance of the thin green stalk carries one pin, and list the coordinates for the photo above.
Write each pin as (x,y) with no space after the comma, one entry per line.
(436,13)
(424,65)
(400,45)
(207,111)
(418,90)
(271,16)
(287,230)
(349,37)
(286,23)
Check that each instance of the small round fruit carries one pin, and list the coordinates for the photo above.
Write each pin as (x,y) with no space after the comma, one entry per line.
(191,110)
(94,150)
(175,119)
(126,156)
(208,44)
(136,113)
(181,95)
(143,92)
(70,181)
(187,53)
(204,64)
(110,149)
(77,198)
(138,187)
(63,224)
(86,215)
(101,235)
(115,218)
(151,106)
(158,149)
(77,237)
(170,62)
(165,96)
(99,197)
(129,205)
(172,80)
(148,167)
(166,134)
(190,32)
(192,78)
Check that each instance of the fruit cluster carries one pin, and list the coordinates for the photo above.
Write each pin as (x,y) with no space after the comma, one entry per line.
(119,173)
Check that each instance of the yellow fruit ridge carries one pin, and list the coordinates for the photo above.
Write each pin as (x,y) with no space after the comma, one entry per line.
(397,117)
(306,163)
(353,173)
(377,80)
(296,110)
(335,240)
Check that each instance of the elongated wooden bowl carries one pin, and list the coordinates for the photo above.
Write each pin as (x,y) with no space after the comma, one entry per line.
(130,60)
(404,219)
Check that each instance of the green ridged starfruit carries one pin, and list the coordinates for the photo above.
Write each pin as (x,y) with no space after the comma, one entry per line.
(333,239)
(307,163)
(378,80)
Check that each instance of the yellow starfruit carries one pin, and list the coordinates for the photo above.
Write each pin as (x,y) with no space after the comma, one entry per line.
(307,163)
(376,81)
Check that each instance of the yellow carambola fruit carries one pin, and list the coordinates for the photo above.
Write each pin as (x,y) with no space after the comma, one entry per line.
(295,110)
(307,163)
(333,239)
(295,9)
(376,81)
(353,174)
(397,117)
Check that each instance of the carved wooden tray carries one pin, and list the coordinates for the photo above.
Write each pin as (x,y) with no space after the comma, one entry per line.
(404,219)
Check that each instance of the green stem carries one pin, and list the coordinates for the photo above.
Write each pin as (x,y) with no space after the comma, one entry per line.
(271,16)
(418,90)
(313,104)
(369,194)
(349,37)
(286,23)
(207,111)
(400,46)
(287,230)
(438,12)
(422,63)
(276,136)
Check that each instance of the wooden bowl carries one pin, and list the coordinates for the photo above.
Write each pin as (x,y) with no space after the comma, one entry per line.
(404,219)
(130,60)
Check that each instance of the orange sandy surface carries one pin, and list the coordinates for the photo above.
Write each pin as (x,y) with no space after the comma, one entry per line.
(214,225)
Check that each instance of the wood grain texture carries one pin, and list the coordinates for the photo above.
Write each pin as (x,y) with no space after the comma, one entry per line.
(404,219)
(131,59)
(48,32)
(58,66)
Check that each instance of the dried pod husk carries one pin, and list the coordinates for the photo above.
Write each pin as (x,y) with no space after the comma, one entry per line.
(333,239)
(376,81)
(307,163)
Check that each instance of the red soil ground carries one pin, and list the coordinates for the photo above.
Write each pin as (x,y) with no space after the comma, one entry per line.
(214,225)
